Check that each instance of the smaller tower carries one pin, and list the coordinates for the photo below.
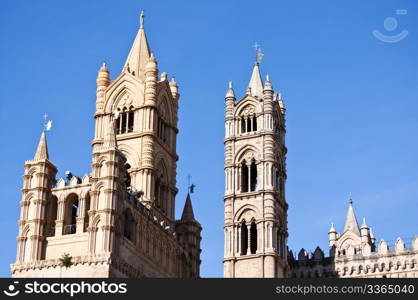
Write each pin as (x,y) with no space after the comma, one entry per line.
(103,81)
(364,232)
(38,181)
(188,232)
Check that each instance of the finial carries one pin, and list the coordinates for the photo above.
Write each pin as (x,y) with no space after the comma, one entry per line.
(230,84)
(267,77)
(47,124)
(350,198)
(258,53)
(142,17)
(190,187)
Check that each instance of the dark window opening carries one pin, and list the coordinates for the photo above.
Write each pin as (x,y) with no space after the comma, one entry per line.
(244,177)
(254,123)
(253,242)
(130,121)
(248,121)
(253,176)
(243,125)
(244,238)
(125,121)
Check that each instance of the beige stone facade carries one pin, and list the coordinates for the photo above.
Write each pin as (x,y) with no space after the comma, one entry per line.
(255,170)
(256,209)
(354,254)
(117,221)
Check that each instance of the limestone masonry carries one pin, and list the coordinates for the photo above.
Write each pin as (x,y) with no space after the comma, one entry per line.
(118,221)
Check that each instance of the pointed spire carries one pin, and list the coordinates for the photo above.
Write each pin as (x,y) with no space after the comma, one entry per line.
(351,223)
(363,224)
(267,85)
(332,229)
(188,214)
(139,54)
(256,83)
(42,150)
(230,93)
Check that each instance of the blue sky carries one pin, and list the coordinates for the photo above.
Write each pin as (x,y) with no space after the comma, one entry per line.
(351,101)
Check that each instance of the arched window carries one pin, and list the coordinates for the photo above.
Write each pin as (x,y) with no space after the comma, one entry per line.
(254,123)
(253,241)
(244,238)
(51,216)
(125,120)
(243,127)
(70,215)
(253,180)
(248,121)
(244,176)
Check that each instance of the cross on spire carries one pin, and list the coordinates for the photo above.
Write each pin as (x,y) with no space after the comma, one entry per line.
(258,53)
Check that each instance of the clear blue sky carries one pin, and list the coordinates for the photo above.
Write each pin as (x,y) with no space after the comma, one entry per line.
(351,100)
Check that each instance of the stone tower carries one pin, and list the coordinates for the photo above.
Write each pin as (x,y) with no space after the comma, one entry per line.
(36,205)
(146,107)
(118,220)
(255,171)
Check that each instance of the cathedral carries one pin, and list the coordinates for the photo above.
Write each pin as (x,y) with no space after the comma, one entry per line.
(119,220)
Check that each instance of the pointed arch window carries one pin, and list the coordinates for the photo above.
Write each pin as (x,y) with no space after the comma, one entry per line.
(70,215)
(244,238)
(244,176)
(253,179)
(253,238)
(125,120)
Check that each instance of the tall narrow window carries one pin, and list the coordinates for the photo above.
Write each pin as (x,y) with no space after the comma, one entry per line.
(248,121)
(74,212)
(254,123)
(244,238)
(124,119)
(244,177)
(253,176)
(130,121)
(253,242)
(243,127)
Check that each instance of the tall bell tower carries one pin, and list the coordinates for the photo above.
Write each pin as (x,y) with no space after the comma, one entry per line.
(255,171)
(145,105)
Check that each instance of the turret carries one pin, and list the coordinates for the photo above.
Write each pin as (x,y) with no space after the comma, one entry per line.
(174,89)
(188,232)
(103,81)
(38,180)
(364,232)
(332,234)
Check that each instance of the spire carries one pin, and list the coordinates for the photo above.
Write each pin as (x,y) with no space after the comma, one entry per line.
(42,150)
(332,229)
(256,83)
(351,220)
(188,214)
(139,54)
(230,93)
(363,224)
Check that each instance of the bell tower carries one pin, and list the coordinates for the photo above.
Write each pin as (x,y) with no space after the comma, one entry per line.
(255,171)
(145,105)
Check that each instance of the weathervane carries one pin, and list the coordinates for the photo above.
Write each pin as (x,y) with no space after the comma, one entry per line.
(142,16)
(47,124)
(258,53)
(190,187)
